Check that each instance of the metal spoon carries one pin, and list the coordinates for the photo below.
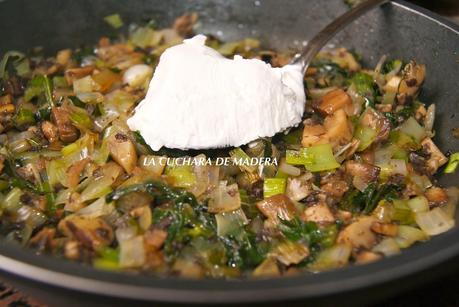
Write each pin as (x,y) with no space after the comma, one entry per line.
(324,36)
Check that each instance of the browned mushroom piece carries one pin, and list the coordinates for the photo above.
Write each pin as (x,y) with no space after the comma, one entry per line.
(319,213)
(50,131)
(73,74)
(298,188)
(338,127)
(43,240)
(123,151)
(366,172)
(436,157)
(2,162)
(335,100)
(364,257)
(155,238)
(359,233)
(387,229)
(377,122)
(67,132)
(436,196)
(314,134)
(277,206)
(74,172)
(334,184)
(183,25)
(93,233)
(412,80)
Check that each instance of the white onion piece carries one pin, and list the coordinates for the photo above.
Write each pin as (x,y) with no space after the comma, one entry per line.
(96,209)
(430,118)
(125,233)
(434,222)
(388,247)
(228,222)
(137,75)
(398,166)
(289,169)
(333,257)
(419,204)
(453,197)
(132,252)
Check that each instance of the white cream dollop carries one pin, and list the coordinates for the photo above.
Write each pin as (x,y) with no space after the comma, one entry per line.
(199,99)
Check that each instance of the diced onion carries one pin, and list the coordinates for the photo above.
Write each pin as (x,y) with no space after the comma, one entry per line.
(434,222)
(413,129)
(419,204)
(290,252)
(125,233)
(132,252)
(387,246)
(137,75)
(228,222)
(96,209)
(333,257)
(225,198)
(289,169)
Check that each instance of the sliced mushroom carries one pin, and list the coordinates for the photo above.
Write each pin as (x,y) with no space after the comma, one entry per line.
(50,131)
(93,233)
(335,100)
(334,184)
(73,74)
(338,127)
(183,25)
(155,238)
(366,257)
(436,196)
(436,159)
(318,213)
(387,229)
(359,233)
(377,122)
(74,172)
(412,80)
(314,134)
(298,188)
(43,240)
(122,150)
(277,206)
(67,132)
(366,172)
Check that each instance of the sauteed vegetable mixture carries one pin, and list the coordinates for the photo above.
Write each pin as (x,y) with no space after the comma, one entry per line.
(352,184)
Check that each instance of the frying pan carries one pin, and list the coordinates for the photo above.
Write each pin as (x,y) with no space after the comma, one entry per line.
(398,29)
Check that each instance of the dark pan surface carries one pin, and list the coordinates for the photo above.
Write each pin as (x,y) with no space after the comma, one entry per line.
(399,30)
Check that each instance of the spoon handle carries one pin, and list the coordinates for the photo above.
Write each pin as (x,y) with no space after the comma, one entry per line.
(321,38)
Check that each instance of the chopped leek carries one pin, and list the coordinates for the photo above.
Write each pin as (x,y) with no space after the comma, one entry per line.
(114,20)
(366,136)
(452,163)
(274,186)
(412,128)
(242,160)
(181,175)
(332,257)
(294,157)
(3,63)
(230,222)
(315,158)
(408,235)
